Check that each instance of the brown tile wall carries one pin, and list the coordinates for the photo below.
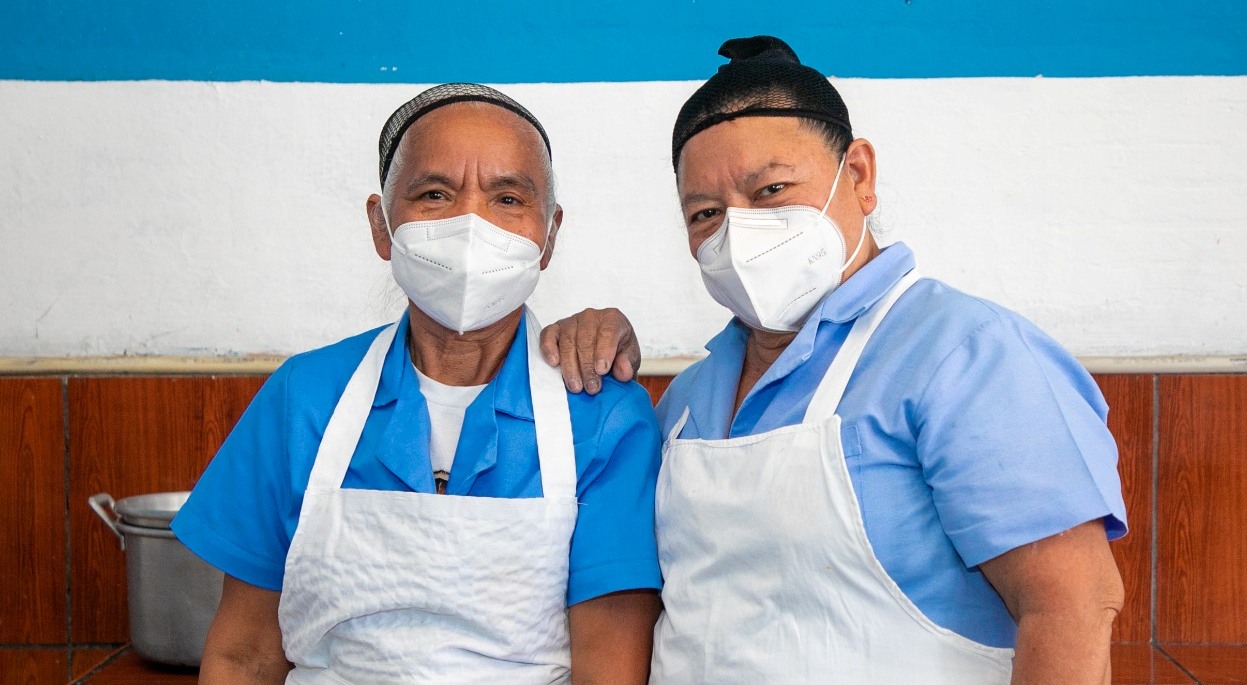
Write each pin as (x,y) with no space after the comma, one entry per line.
(1201,569)
(132,436)
(63,439)
(32,511)
(1130,419)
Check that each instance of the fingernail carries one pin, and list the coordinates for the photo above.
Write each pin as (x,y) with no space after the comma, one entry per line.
(551,359)
(574,386)
(592,384)
(601,366)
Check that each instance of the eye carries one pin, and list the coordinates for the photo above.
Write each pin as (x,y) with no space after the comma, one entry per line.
(772,189)
(703,215)
(433,195)
(510,200)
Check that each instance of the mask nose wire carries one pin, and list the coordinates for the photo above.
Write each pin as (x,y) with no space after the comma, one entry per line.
(385,215)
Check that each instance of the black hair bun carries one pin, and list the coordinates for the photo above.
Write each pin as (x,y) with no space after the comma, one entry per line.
(758,48)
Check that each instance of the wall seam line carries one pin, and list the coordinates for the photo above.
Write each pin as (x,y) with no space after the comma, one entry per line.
(69,595)
(1155,542)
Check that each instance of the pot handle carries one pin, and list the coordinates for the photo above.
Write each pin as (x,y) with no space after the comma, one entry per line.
(102,504)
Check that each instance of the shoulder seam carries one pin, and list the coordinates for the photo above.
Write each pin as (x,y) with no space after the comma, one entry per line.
(927,387)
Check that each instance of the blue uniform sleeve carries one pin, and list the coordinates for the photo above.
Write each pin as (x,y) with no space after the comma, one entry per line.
(613,546)
(1013,443)
(239,515)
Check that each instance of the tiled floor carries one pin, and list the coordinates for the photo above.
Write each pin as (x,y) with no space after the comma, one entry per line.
(126,668)
(1133,664)
(39,665)
(1142,664)
(1212,665)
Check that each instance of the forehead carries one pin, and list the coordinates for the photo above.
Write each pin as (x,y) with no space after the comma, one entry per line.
(740,146)
(474,132)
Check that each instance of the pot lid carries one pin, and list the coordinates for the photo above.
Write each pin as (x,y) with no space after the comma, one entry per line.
(151,511)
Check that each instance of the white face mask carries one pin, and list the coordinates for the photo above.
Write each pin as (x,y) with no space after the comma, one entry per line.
(772,266)
(464,272)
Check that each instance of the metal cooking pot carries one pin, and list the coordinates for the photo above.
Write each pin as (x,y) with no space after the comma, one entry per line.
(173,593)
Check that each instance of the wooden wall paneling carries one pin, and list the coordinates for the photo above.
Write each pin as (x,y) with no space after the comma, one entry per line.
(32,511)
(656,385)
(34,666)
(133,436)
(1201,570)
(1130,420)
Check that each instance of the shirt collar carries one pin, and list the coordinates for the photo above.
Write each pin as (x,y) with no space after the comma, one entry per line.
(867,286)
(509,388)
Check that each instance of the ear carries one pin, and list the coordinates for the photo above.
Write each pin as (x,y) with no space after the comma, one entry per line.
(554,231)
(860,160)
(380,234)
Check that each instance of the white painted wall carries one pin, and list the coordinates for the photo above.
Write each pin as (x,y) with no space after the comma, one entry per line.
(180,217)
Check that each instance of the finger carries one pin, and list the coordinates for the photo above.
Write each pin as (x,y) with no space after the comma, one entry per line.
(629,355)
(550,343)
(623,369)
(586,346)
(568,363)
(607,346)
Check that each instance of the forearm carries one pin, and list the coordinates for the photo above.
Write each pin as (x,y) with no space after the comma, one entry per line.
(223,669)
(1068,647)
(1065,592)
(612,638)
(244,641)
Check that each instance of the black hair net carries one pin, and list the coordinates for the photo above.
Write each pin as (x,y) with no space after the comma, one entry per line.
(440,96)
(763,79)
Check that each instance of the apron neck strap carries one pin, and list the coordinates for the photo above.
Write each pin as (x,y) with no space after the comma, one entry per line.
(556,450)
(346,424)
(826,399)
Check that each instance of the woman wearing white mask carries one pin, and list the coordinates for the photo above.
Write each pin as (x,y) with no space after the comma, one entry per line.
(872,478)
(422,503)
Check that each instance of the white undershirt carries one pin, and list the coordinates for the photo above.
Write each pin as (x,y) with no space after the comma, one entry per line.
(447,405)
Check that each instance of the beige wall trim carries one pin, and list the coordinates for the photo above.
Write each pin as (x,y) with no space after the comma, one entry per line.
(263,364)
(139,365)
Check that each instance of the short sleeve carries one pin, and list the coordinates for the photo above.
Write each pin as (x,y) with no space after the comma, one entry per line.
(1013,443)
(613,546)
(238,517)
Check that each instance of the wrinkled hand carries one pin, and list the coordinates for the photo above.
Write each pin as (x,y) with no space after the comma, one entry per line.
(587,345)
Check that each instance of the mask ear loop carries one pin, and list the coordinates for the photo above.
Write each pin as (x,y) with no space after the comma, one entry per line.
(861,240)
(385,215)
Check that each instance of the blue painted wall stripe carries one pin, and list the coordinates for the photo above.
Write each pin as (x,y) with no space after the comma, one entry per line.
(378,41)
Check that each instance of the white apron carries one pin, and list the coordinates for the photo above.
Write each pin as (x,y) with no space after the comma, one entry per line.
(769,577)
(403,587)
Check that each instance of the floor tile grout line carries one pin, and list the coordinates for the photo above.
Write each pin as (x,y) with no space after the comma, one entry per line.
(95,670)
(1179,666)
(69,595)
(1155,515)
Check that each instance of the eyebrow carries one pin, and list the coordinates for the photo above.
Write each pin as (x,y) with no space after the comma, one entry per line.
(516,180)
(752,177)
(749,179)
(501,182)
(690,198)
(431,178)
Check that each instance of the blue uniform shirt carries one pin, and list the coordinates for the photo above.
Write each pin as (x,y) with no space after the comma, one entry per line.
(968,432)
(242,514)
